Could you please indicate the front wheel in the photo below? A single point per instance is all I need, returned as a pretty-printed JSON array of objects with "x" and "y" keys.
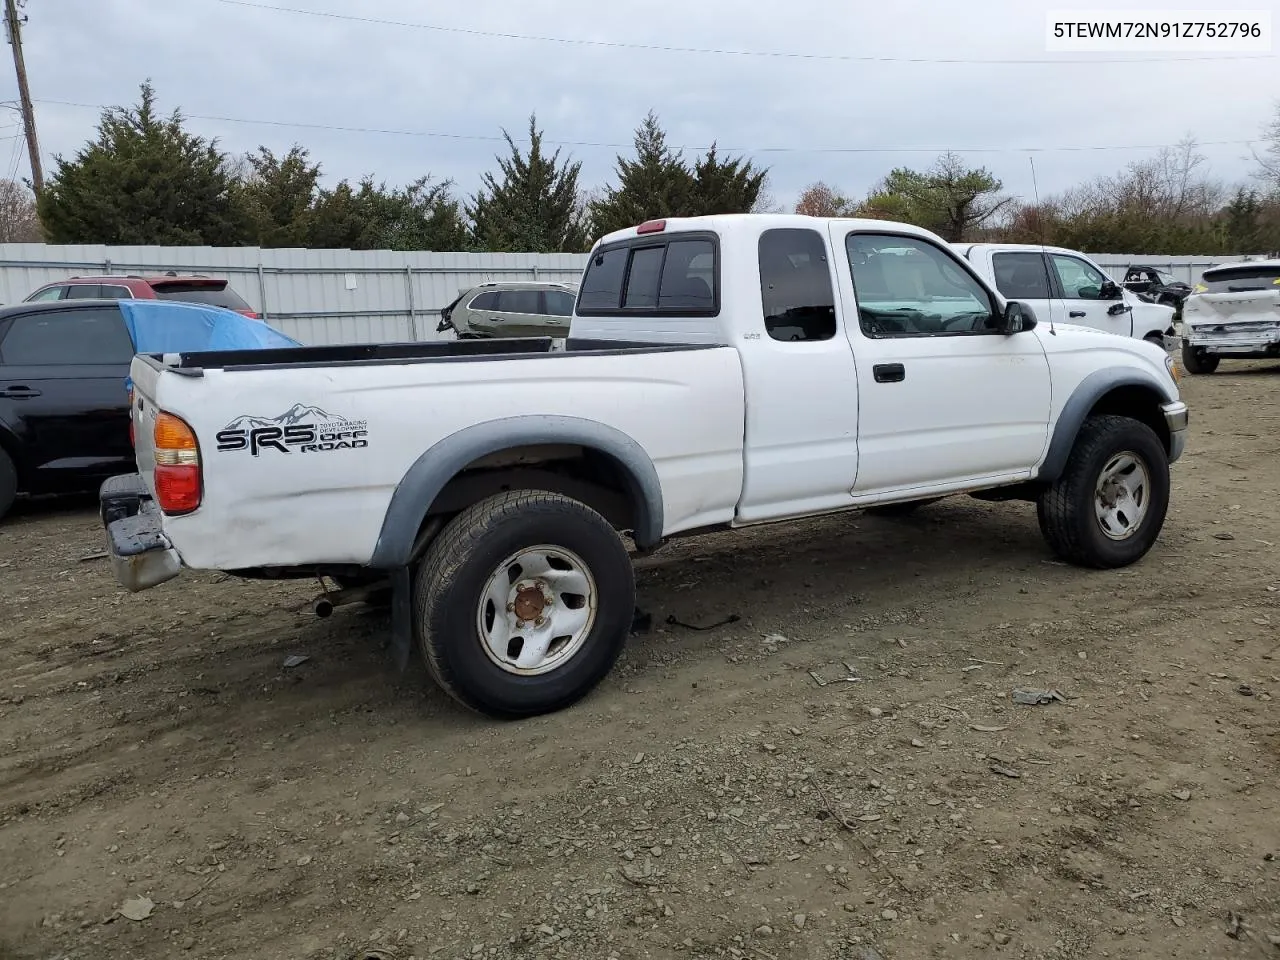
[
  {"x": 1197, "y": 361},
  {"x": 1109, "y": 505},
  {"x": 523, "y": 603}
]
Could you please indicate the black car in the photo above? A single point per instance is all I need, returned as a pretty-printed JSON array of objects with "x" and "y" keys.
[
  {"x": 64, "y": 403},
  {"x": 1156, "y": 285}
]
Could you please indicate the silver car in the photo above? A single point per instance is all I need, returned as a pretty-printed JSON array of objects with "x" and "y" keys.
[{"x": 519, "y": 308}]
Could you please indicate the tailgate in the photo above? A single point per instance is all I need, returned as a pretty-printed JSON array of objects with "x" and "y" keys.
[{"x": 145, "y": 377}]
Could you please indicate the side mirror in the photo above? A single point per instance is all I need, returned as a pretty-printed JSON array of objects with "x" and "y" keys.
[
  {"x": 1110, "y": 290},
  {"x": 1017, "y": 318}
]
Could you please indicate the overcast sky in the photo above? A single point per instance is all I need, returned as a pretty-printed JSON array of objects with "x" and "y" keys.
[{"x": 243, "y": 61}]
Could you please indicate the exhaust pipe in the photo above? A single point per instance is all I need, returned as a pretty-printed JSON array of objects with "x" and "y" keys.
[{"x": 326, "y": 602}]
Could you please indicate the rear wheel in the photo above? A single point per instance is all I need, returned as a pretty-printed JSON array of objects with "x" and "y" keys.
[
  {"x": 1109, "y": 505},
  {"x": 1197, "y": 361},
  {"x": 523, "y": 603},
  {"x": 8, "y": 483}
]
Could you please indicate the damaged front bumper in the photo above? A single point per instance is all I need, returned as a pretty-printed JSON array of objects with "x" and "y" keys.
[{"x": 141, "y": 555}]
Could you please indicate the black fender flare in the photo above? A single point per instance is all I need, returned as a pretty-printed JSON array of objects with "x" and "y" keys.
[
  {"x": 1086, "y": 394},
  {"x": 443, "y": 460}
]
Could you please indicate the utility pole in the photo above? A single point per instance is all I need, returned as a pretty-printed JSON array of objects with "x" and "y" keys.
[{"x": 14, "y": 25}]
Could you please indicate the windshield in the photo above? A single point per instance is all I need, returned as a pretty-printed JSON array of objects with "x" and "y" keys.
[{"x": 1245, "y": 278}]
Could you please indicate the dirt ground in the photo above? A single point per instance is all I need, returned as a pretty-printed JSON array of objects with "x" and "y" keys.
[{"x": 711, "y": 798}]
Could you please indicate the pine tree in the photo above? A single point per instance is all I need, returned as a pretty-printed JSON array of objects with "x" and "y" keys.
[
  {"x": 277, "y": 196},
  {"x": 655, "y": 184},
  {"x": 144, "y": 180},
  {"x": 725, "y": 186},
  {"x": 534, "y": 207}
]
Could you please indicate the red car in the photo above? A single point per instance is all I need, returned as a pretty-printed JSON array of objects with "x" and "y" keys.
[{"x": 206, "y": 290}]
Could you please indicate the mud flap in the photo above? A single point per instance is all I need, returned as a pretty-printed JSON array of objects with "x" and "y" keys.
[{"x": 401, "y": 617}]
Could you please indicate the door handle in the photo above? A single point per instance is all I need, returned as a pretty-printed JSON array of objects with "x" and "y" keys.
[
  {"x": 495, "y": 319},
  {"x": 889, "y": 372},
  {"x": 1076, "y": 313},
  {"x": 19, "y": 392}
]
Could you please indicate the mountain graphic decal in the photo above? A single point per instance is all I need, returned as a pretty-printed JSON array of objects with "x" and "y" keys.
[{"x": 295, "y": 414}]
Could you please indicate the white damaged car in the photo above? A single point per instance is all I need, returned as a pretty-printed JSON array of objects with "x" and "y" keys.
[{"x": 1234, "y": 312}]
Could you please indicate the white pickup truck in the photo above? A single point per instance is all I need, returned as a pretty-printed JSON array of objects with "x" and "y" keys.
[
  {"x": 1065, "y": 286},
  {"x": 721, "y": 372}
]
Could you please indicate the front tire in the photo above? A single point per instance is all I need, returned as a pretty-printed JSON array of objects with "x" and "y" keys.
[
  {"x": 1109, "y": 505},
  {"x": 1197, "y": 361},
  {"x": 523, "y": 603}
]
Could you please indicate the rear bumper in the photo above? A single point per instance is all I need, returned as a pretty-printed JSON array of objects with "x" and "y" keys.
[
  {"x": 141, "y": 556},
  {"x": 1176, "y": 417}
]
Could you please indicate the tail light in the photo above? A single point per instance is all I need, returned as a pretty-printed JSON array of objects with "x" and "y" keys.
[
  {"x": 250, "y": 314},
  {"x": 177, "y": 473},
  {"x": 132, "y": 439}
]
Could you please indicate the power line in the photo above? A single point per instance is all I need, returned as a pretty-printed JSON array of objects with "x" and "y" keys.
[
  {"x": 774, "y": 54},
  {"x": 626, "y": 146}
]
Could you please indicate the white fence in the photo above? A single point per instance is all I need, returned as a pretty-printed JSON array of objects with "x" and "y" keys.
[
  {"x": 316, "y": 296},
  {"x": 356, "y": 296}
]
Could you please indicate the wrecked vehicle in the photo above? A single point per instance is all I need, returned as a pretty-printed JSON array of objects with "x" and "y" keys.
[{"x": 1234, "y": 314}]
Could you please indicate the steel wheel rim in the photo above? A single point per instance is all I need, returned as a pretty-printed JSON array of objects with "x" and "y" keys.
[
  {"x": 536, "y": 610},
  {"x": 1122, "y": 496}
]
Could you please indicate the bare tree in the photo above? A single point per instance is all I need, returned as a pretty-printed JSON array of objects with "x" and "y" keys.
[
  {"x": 18, "y": 220},
  {"x": 821, "y": 200},
  {"x": 1269, "y": 160}
]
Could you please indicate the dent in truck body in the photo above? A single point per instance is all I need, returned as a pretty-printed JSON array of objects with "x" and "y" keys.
[
  {"x": 441, "y": 462},
  {"x": 1083, "y": 399}
]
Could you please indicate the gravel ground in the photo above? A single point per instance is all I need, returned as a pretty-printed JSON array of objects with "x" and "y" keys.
[{"x": 168, "y": 788}]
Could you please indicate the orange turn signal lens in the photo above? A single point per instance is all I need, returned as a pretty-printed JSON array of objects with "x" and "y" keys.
[
  {"x": 177, "y": 473},
  {"x": 172, "y": 433}
]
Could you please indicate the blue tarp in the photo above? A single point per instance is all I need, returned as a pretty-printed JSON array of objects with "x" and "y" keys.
[{"x": 167, "y": 326}]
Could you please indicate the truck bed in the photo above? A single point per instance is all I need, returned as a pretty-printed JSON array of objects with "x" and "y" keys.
[
  {"x": 302, "y": 449},
  {"x": 400, "y": 353}
]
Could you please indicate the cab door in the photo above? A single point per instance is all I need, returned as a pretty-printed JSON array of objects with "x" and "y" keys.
[
  {"x": 945, "y": 399},
  {"x": 1080, "y": 296}
]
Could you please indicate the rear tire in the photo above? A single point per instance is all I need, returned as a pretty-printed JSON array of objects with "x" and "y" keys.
[
  {"x": 8, "y": 483},
  {"x": 524, "y": 554},
  {"x": 1109, "y": 505},
  {"x": 1197, "y": 361}
]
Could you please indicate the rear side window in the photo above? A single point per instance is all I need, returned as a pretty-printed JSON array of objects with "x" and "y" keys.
[
  {"x": 795, "y": 285},
  {"x": 654, "y": 276},
  {"x": 1242, "y": 279},
  {"x": 210, "y": 294},
  {"x": 66, "y": 337},
  {"x": 559, "y": 303},
  {"x": 519, "y": 301},
  {"x": 1021, "y": 276},
  {"x": 486, "y": 301}
]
